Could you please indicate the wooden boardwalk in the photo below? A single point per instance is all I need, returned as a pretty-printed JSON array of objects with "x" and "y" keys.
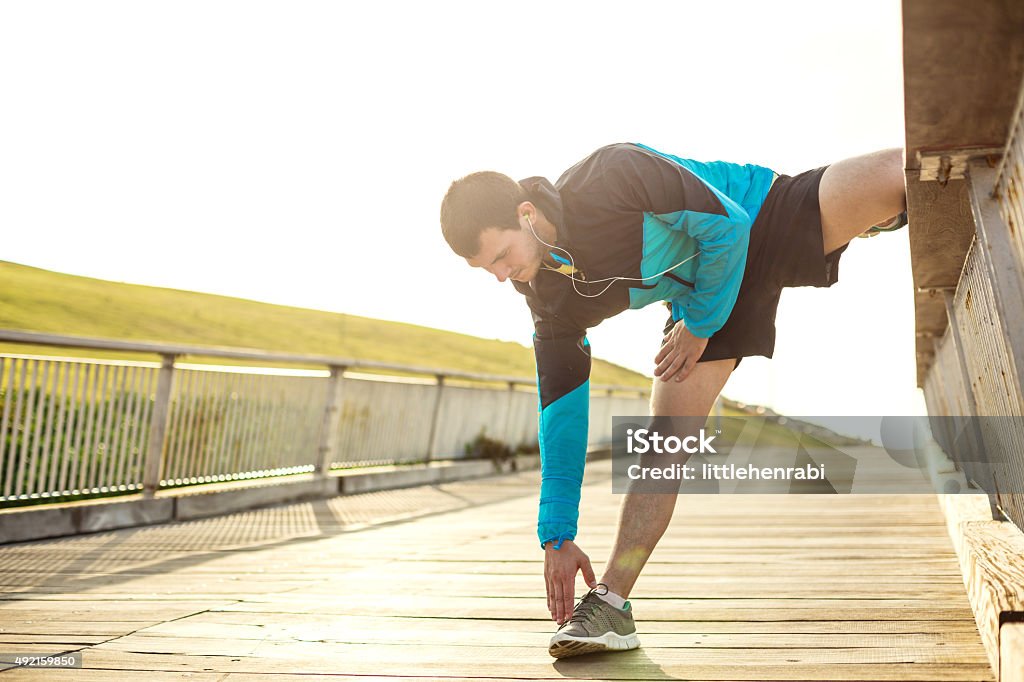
[{"x": 445, "y": 582}]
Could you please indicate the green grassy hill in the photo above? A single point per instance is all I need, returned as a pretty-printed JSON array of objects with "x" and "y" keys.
[{"x": 39, "y": 300}]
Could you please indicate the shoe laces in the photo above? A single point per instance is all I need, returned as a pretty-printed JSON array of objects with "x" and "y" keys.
[{"x": 585, "y": 607}]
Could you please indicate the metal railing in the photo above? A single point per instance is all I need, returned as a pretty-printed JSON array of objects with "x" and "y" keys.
[
  {"x": 73, "y": 428},
  {"x": 1008, "y": 187},
  {"x": 978, "y": 370}
]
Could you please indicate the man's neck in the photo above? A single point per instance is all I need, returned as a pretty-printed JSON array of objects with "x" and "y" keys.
[{"x": 546, "y": 231}]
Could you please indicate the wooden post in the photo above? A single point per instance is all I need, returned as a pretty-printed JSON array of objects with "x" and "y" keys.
[
  {"x": 158, "y": 426},
  {"x": 329, "y": 426},
  {"x": 432, "y": 441},
  {"x": 1011, "y": 651}
]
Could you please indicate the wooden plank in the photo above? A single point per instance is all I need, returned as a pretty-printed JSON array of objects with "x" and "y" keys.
[
  {"x": 87, "y": 675},
  {"x": 994, "y": 576},
  {"x": 710, "y": 580},
  {"x": 753, "y": 542},
  {"x": 942, "y": 228},
  {"x": 941, "y": 232},
  {"x": 523, "y": 582},
  {"x": 59, "y": 627},
  {"x": 471, "y": 662},
  {"x": 882, "y": 674},
  {"x": 120, "y": 610},
  {"x": 361, "y": 657},
  {"x": 989, "y": 555},
  {"x": 962, "y": 63},
  {"x": 434, "y": 631},
  {"x": 784, "y": 534},
  {"x": 186, "y": 566},
  {"x": 649, "y": 609},
  {"x": 926, "y": 571},
  {"x": 959, "y": 509},
  {"x": 1011, "y": 652},
  {"x": 65, "y": 640},
  {"x": 946, "y": 592},
  {"x": 330, "y": 626}
]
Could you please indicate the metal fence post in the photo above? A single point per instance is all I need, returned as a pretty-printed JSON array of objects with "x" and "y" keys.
[
  {"x": 432, "y": 441},
  {"x": 158, "y": 426},
  {"x": 977, "y": 440},
  {"x": 506, "y": 436},
  {"x": 329, "y": 426},
  {"x": 609, "y": 414},
  {"x": 1003, "y": 269},
  {"x": 996, "y": 239}
]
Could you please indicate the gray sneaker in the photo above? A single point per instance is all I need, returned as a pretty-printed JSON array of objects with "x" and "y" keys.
[
  {"x": 595, "y": 626},
  {"x": 890, "y": 225}
]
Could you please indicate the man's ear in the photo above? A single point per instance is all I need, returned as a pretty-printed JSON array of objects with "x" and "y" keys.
[{"x": 526, "y": 209}]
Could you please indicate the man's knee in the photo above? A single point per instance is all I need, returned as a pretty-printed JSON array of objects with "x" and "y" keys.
[
  {"x": 889, "y": 164},
  {"x": 895, "y": 165}
]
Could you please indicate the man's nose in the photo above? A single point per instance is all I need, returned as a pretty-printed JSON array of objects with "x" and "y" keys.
[{"x": 501, "y": 273}]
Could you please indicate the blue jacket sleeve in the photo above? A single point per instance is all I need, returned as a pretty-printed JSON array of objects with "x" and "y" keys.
[
  {"x": 641, "y": 179},
  {"x": 563, "y": 382}
]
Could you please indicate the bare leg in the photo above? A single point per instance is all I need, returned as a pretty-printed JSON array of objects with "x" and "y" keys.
[
  {"x": 857, "y": 193},
  {"x": 643, "y": 518}
]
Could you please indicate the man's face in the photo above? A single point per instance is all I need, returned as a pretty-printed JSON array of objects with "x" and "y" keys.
[{"x": 508, "y": 254}]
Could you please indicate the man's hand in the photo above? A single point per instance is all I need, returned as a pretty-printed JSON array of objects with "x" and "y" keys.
[
  {"x": 679, "y": 353},
  {"x": 560, "y": 566}
]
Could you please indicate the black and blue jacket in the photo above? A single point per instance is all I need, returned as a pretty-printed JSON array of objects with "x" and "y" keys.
[{"x": 626, "y": 211}]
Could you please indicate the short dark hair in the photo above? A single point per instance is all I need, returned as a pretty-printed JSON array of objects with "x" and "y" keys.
[{"x": 475, "y": 203}]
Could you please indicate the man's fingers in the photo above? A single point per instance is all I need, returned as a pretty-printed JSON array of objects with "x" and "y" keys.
[
  {"x": 567, "y": 595},
  {"x": 665, "y": 363},
  {"x": 557, "y": 611},
  {"x": 666, "y": 348},
  {"x": 685, "y": 370},
  {"x": 547, "y": 588},
  {"x": 676, "y": 365},
  {"x": 588, "y": 573}
]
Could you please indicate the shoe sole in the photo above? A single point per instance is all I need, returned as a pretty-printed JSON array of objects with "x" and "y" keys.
[{"x": 576, "y": 646}]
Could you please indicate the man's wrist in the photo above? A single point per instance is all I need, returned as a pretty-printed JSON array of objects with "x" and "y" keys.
[{"x": 689, "y": 330}]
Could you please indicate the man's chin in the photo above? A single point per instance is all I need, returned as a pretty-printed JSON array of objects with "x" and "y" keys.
[{"x": 522, "y": 276}]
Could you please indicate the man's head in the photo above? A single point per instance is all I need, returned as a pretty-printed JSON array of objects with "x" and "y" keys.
[{"x": 487, "y": 219}]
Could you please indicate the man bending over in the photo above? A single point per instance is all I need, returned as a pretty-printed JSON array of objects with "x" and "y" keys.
[{"x": 626, "y": 227}]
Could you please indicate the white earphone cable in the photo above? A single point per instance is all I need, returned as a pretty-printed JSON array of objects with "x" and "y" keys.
[{"x": 610, "y": 280}]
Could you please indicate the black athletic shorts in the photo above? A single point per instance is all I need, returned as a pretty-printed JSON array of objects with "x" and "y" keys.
[{"x": 786, "y": 250}]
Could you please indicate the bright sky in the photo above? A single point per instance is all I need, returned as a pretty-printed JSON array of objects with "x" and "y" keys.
[{"x": 298, "y": 152}]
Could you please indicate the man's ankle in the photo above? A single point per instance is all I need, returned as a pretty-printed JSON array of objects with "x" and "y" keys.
[{"x": 613, "y": 598}]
